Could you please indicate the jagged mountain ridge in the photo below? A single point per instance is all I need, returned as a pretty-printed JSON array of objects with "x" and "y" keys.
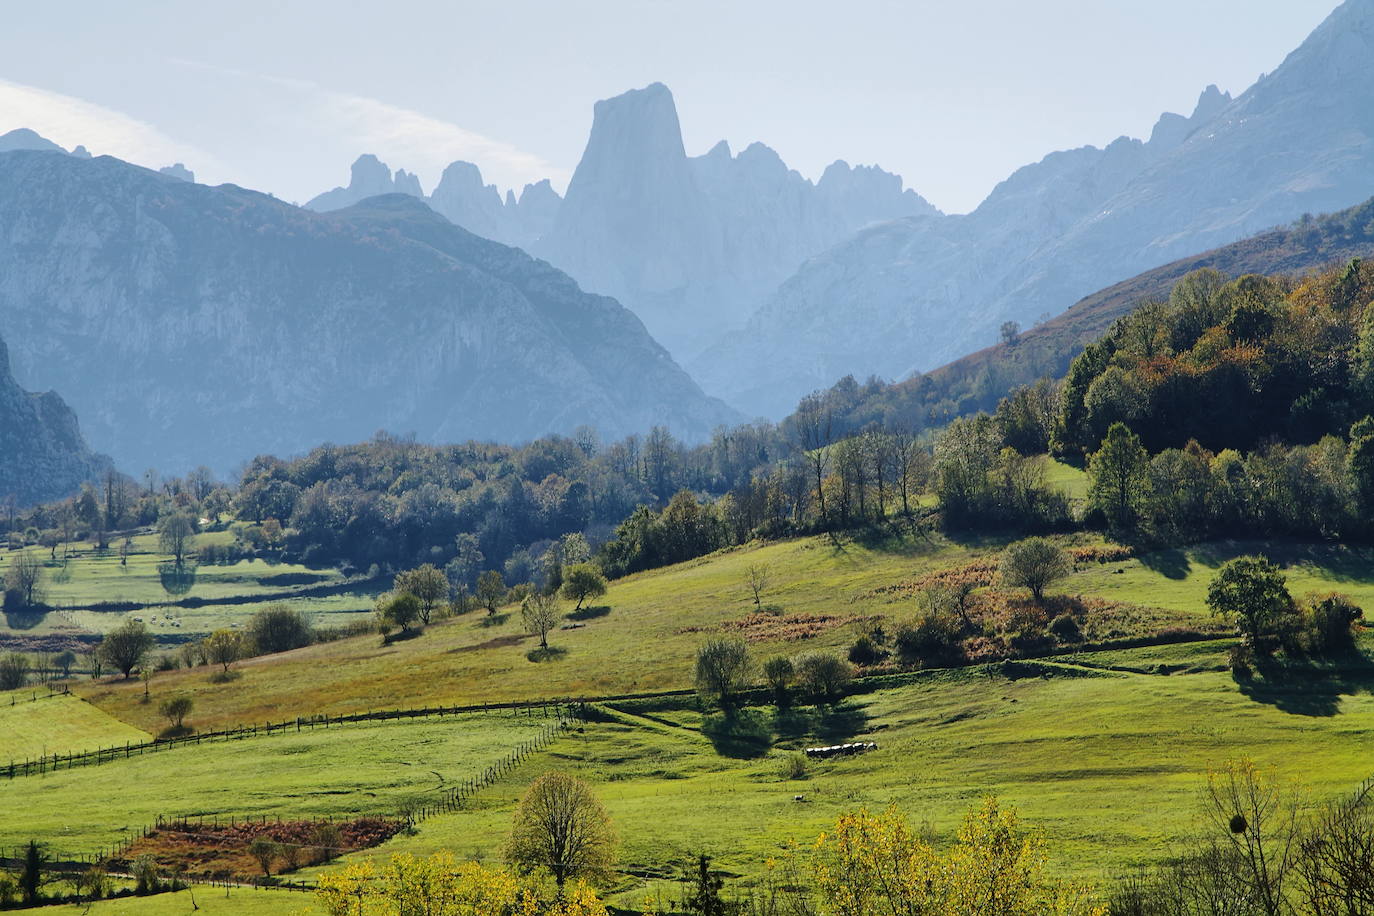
[
  {"x": 42, "y": 453},
  {"x": 912, "y": 294},
  {"x": 190, "y": 324},
  {"x": 689, "y": 243}
]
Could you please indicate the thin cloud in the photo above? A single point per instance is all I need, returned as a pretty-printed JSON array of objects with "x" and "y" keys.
[
  {"x": 401, "y": 137},
  {"x": 69, "y": 122}
]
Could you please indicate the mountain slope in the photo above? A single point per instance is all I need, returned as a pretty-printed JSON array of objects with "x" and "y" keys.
[
  {"x": 979, "y": 380},
  {"x": 915, "y": 293},
  {"x": 42, "y": 454},
  {"x": 190, "y": 324}
]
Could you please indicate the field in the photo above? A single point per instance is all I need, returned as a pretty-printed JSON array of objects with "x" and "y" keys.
[
  {"x": 341, "y": 772},
  {"x": 1105, "y": 751},
  {"x": 56, "y": 725},
  {"x": 1109, "y": 767},
  {"x": 211, "y": 901}
]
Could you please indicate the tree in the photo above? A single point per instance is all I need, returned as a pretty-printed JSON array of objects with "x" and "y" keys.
[
  {"x": 125, "y": 647},
  {"x": 64, "y": 661},
  {"x": 14, "y": 670},
  {"x": 24, "y": 579},
  {"x": 778, "y": 671},
  {"x": 31, "y": 877},
  {"x": 757, "y": 576},
  {"x": 1117, "y": 475},
  {"x": 176, "y": 709},
  {"x": 491, "y": 590},
  {"x": 1009, "y": 331},
  {"x": 561, "y": 826},
  {"x": 428, "y": 584},
  {"x": 177, "y": 535},
  {"x": 723, "y": 667},
  {"x": 1261, "y": 825},
  {"x": 278, "y": 628},
  {"x": 823, "y": 674},
  {"x": 540, "y": 614},
  {"x": 583, "y": 581},
  {"x": 704, "y": 889},
  {"x": 264, "y": 850},
  {"x": 1034, "y": 563},
  {"x": 399, "y": 609},
  {"x": 1252, "y": 593},
  {"x": 224, "y": 647}
]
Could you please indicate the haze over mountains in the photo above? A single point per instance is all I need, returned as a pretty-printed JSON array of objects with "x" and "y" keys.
[{"x": 189, "y": 324}]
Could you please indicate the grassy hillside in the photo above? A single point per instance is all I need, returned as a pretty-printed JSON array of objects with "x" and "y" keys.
[
  {"x": 56, "y": 725},
  {"x": 211, "y": 901}
]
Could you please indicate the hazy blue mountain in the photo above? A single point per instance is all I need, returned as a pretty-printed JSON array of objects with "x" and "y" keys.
[
  {"x": 368, "y": 177},
  {"x": 191, "y": 324},
  {"x": 692, "y": 243},
  {"x": 42, "y": 453},
  {"x": 914, "y": 293},
  {"x": 178, "y": 171}
]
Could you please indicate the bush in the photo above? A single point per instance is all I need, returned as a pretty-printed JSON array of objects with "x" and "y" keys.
[
  {"x": 1034, "y": 563},
  {"x": 865, "y": 651},
  {"x": 1241, "y": 659},
  {"x": 823, "y": 675},
  {"x": 1328, "y": 624},
  {"x": 932, "y": 640},
  {"x": 778, "y": 671},
  {"x": 278, "y": 628},
  {"x": 1065, "y": 628},
  {"x": 794, "y": 766}
]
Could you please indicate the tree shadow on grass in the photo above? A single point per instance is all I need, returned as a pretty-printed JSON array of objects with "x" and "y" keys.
[
  {"x": 546, "y": 654},
  {"x": 1171, "y": 564},
  {"x": 494, "y": 620},
  {"x": 175, "y": 731},
  {"x": 590, "y": 613},
  {"x": 225, "y": 677},
  {"x": 1305, "y": 687},
  {"x": 177, "y": 580},
  {"x": 740, "y": 733},
  {"x": 25, "y": 619}
]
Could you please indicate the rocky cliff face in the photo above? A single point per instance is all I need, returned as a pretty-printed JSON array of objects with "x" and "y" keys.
[
  {"x": 190, "y": 324},
  {"x": 42, "y": 453},
  {"x": 691, "y": 244},
  {"x": 912, "y": 294},
  {"x": 368, "y": 177}
]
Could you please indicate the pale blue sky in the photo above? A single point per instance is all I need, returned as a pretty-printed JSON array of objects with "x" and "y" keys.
[{"x": 953, "y": 95}]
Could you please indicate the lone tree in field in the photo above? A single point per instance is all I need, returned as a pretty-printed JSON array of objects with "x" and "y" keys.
[
  {"x": 176, "y": 709},
  {"x": 14, "y": 670},
  {"x": 1034, "y": 563},
  {"x": 24, "y": 579},
  {"x": 125, "y": 647},
  {"x": 399, "y": 609},
  {"x": 491, "y": 590},
  {"x": 264, "y": 850},
  {"x": 583, "y": 581},
  {"x": 429, "y": 586},
  {"x": 176, "y": 536},
  {"x": 224, "y": 647},
  {"x": 722, "y": 667},
  {"x": 562, "y": 827},
  {"x": 64, "y": 661},
  {"x": 757, "y": 577},
  {"x": 1252, "y": 593},
  {"x": 540, "y": 614},
  {"x": 778, "y": 672},
  {"x": 278, "y": 628}
]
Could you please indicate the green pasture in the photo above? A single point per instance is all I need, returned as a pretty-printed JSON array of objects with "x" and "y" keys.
[
  {"x": 342, "y": 771},
  {"x": 210, "y": 901},
  {"x": 1108, "y": 767},
  {"x": 60, "y": 724}
]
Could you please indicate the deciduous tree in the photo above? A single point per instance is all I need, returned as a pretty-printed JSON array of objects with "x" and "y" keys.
[{"x": 560, "y": 826}]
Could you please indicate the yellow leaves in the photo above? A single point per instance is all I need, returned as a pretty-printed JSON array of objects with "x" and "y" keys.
[
  {"x": 874, "y": 865},
  {"x": 440, "y": 886}
]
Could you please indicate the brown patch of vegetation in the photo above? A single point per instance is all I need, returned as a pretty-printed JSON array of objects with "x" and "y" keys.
[
  {"x": 979, "y": 573},
  {"x": 221, "y": 850},
  {"x": 762, "y": 627}
]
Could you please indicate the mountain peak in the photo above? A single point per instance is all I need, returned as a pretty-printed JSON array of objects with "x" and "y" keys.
[{"x": 23, "y": 138}]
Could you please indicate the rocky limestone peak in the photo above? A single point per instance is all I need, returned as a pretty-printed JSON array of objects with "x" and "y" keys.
[
  {"x": 1209, "y": 105},
  {"x": 408, "y": 183},
  {"x": 539, "y": 194},
  {"x": 369, "y": 175},
  {"x": 81, "y": 152},
  {"x": 179, "y": 172},
  {"x": 635, "y": 143},
  {"x": 23, "y": 138},
  {"x": 1336, "y": 57}
]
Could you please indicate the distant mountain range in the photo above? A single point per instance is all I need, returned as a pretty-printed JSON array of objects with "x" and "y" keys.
[
  {"x": 42, "y": 453},
  {"x": 188, "y": 324}
]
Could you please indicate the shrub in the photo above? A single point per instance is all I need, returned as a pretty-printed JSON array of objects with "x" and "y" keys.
[
  {"x": 865, "y": 651},
  {"x": 932, "y": 639},
  {"x": 722, "y": 667},
  {"x": 1241, "y": 659},
  {"x": 1034, "y": 563},
  {"x": 1328, "y": 623},
  {"x": 778, "y": 671},
  {"x": 278, "y": 628},
  {"x": 1065, "y": 628},
  {"x": 822, "y": 674},
  {"x": 14, "y": 670},
  {"x": 794, "y": 766}
]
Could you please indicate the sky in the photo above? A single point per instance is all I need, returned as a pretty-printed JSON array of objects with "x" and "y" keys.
[{"x": 954, "y": 96}]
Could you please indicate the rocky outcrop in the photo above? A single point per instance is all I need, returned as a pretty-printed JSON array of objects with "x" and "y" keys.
[
  {"x": 189, "y": 324},
  {"x": 179, "y": 172},
  {"x": 915, "y": 293},
  {"x": 368, "y": 177},
  {"x": 42, "y": 454},
  {"x": 692, "y": 244}
]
